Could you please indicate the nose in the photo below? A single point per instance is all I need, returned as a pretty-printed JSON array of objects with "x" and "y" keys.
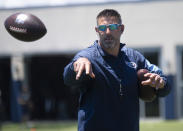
[{"x": 108, "y": 31}]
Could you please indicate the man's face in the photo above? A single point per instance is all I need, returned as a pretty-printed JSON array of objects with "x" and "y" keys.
[{"x": 109, "y": 38}]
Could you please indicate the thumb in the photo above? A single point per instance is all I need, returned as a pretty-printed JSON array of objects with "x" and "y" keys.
[{"x": 92, "y": 75}]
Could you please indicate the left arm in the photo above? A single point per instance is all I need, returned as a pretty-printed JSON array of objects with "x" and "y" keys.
[{"x": 156, "y": 79}]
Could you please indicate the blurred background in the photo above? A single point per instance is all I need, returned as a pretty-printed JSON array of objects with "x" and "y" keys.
[{"x": 31, "y": 84}]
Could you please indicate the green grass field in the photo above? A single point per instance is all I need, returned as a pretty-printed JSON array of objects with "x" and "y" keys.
[
  {"x": 162, "y": 126},
  {"x": 72, "y": 126}
]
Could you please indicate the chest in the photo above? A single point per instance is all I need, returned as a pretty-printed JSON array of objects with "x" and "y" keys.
[{"x": 118, "y": 74}]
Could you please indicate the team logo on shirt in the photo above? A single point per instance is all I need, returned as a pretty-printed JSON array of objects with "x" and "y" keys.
[{"x": 132, "y": 64}]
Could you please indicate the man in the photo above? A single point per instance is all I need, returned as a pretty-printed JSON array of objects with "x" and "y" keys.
[{"x": 106, "y": 74}]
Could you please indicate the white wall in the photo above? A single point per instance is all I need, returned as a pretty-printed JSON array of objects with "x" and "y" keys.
[{"x": 147, "y": 24}]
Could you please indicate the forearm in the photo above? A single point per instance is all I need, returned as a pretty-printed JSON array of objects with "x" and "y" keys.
[
  {"x": 164, "y": 91},
  {"x": 161, "y": 92},
  {"x": 69, "y": 75}
]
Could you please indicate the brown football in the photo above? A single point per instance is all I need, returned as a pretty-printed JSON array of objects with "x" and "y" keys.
[
  {"x": 146, "y": 93},
  {"x": 25, "y": 27}
]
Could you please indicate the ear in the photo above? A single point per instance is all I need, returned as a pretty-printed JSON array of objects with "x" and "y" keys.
[
  {"x": 96, "y": 29},
  {"x": 122, "y": 28}
]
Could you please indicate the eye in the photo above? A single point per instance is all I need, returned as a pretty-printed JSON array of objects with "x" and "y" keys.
[
  {"x": 102, "y": 27},
  {"x": 113, "y": 27}
]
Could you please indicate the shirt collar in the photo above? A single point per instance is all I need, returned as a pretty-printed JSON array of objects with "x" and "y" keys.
[{"x": 104, "y": 53}]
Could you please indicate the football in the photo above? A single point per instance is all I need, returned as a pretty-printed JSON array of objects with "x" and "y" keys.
[
  {"x": 146, "y": 93},
  {"x": 25, "y": 27}
]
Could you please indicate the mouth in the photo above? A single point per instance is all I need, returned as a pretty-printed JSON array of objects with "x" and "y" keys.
[
  {"x": 108, "y": 38},
  {"x": 108, "y": 41}
]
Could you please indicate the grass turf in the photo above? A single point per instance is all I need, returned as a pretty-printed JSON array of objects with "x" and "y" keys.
[
  {"x": 162, "y": 126},
  {"x": 72, "y": 126}
]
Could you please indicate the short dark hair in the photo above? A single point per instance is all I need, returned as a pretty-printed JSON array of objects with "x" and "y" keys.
[{"x": 109, "y": 13}]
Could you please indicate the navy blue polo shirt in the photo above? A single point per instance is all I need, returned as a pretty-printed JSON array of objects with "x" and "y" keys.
[{"x": 110, "y": 102}]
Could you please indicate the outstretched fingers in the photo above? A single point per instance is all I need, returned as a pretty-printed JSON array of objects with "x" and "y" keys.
[
  {"x": 83, "y": 64},
  {"x": 89, "y": 70},
  {"x": 79, "y": 72}
]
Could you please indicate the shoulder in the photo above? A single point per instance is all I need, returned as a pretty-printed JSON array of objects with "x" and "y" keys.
[
  {"x": 88, "y": 52},
  {"x": 134, "y": 56},
  {"x": 131, "y": 53}
]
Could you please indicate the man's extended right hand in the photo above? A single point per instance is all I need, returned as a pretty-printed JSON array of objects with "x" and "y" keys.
[{"x": 83, "y": 64}]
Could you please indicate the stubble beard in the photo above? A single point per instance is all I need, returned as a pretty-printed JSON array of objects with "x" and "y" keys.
[{"x": 108, "y": 44}]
